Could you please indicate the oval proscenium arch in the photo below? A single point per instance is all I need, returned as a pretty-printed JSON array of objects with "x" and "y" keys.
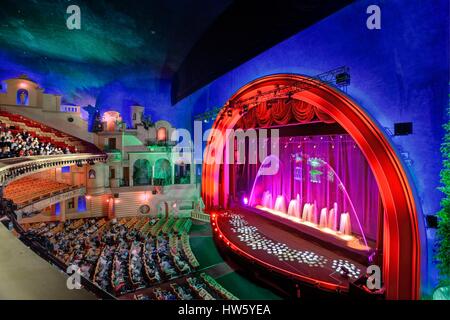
[{"x": 401, "y": 238}]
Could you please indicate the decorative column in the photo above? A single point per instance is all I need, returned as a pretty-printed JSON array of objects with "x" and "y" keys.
[
  {"x": 172, "y": 164},
  {"x": 62, "y": 210}
]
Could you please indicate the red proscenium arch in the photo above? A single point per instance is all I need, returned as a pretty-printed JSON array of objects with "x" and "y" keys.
[{"x": 401, "y": 239}]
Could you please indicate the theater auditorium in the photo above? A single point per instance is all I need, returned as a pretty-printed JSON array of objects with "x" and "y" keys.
[{"x": 223, "y": 150}]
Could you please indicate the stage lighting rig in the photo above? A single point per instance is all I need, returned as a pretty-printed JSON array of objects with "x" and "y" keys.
[{"x": 339, "y": 78}]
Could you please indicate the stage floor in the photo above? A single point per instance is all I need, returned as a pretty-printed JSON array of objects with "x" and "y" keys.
[{"x": 285, "y": 250}]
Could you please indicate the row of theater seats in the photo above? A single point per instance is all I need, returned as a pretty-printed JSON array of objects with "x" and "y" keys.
[
  {"x": 30, "y": 189},
  {"x": 17, "y": 143},
  {"x": 198, "y": 287},
  {"x": 213, "y": 284},
  {"x": 45, "y": 133},
  {"x": 187, "y": 249},
  {"x": 120, "y": 257}
]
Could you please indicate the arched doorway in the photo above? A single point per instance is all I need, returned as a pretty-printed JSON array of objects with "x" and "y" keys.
[
  {"x": 163, "y": 173},
  {"x": 182, "y": 173},
  {"x": 142, "y": 172},
  {"x": 401, "y": 237}
]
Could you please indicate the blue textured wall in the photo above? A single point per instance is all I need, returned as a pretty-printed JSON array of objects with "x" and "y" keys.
[
  {"x": 153, "y": 94},
  {"x": 399, "y": 74}
]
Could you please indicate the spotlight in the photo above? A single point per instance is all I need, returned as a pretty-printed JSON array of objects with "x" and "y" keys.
[
  {"x": 342, "y": 79},
  {"x": 245, "y": 200}
]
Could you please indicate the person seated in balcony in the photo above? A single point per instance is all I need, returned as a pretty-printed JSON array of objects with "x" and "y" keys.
[{"x": 24, "y": 144}]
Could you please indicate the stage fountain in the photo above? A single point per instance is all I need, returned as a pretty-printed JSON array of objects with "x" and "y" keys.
[{"x": 328, "y": 221}]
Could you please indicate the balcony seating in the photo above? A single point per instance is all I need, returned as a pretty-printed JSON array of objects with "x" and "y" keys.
[
  {"x": 29, "y": 189},
  {"x": 18, "y": 123}
]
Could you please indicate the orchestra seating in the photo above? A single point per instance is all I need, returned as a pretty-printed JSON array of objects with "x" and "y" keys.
[
  {"x": 188, "y": 251},
  {"x": 196, "y": 287},
  {"x": 124, "y": 256},
  {"x": 213, "y": 284}
]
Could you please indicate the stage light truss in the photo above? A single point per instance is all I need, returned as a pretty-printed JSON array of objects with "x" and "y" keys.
[{"x": 338, "y": 78}]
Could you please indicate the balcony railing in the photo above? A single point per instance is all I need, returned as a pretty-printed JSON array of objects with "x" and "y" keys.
[{"x": 13, "y": 168}]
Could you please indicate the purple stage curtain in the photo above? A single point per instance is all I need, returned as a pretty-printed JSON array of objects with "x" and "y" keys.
[{"x": 321, "y": 169}]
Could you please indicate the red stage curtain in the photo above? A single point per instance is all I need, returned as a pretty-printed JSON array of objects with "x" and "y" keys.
[
  {"x": 263, "y": 115},
  {"x": 240, "y": 124},
  {"x": 303, "y": 112},
  {"x": 281, "y": 112},
  {"x": 250, "y": 119},
  {"x": 323, "y": 116}
]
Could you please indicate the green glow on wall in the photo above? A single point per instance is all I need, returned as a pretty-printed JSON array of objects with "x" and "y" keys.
[{"x": 131, "y": 140}]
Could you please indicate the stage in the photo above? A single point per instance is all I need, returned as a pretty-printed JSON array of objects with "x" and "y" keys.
[{"x": 283, "y": 250}]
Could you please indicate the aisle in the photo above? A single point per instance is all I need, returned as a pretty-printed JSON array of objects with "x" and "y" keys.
[{"x": 25, "y": 275}]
